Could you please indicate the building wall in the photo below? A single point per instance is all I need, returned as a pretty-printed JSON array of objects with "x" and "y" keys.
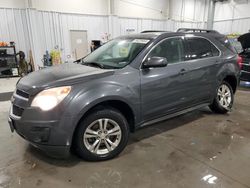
[
  {"x": 157, "y": 9},
  {"x": 232, "y": 16},
  {"x": 51, "y": 30},
  {"x": 189, "y": 10},
  {"x": 97, "y": 7},
  {"x": 39, "y": 31},
  {"x": 41, "y": 25},
  {"x": 12, "y": 3},
  {"x": 234, "y": 9},
  {"x": 14, "y": 27}
]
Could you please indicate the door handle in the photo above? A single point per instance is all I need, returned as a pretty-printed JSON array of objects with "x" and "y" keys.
[{"x": 183, "y": 71}]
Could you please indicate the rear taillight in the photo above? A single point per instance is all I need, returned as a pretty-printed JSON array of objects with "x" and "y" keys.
[{"x": 239, "y": 61}]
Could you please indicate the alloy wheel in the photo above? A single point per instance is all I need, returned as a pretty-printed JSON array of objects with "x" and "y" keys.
[
  {"x": 102, "y": 136},
  {"x": 224, "y": 96}
]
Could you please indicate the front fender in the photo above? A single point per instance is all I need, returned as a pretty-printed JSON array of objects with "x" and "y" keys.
[{"x": 84, "y": 100}]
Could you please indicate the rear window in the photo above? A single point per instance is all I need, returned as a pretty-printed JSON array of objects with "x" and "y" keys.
[{"x": 198, "y": 48}]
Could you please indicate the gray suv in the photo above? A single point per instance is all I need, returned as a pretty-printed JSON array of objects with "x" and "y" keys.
[{"x": 93, "y": 104}]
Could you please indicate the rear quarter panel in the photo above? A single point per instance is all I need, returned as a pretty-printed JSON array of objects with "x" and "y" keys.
[{"x": 228, "y": 65}]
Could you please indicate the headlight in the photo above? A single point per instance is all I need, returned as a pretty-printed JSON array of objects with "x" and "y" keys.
[{"x": 49, "y": 98}]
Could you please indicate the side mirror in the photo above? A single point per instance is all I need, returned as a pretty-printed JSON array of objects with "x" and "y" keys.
[{"x": 155, "y": 62}]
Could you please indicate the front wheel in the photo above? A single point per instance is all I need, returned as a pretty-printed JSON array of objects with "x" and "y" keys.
[
  {"x": 101, "y": 135},
  {"x": 224, "y": 99}
]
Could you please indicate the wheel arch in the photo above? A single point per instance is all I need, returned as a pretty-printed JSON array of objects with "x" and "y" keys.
[
  {"x": 117, "y": 104},
  {"x": 232, "y": 80}
]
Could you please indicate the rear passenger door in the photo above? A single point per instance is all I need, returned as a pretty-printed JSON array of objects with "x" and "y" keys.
[{"x": 202, "y": 58}]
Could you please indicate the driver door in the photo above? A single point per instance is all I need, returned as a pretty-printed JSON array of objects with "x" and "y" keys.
[{"x": 165, "y": 90}]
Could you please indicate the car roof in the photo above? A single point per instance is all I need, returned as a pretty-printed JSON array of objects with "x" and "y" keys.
[
  {"x": 155, "y": 35},
  {"x": 162, "y": 34},
  {"x": 150, "y": 35}
]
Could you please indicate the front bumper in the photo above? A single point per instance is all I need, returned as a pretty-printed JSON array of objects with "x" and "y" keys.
[
  {"x": 40, "y": 136},
  {"x": 49, "y": 131}
]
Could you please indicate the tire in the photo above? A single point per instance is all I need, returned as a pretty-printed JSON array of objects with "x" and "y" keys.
[
  {"x": 224, "y": 99},
  {"x": 94, "y": 142}
]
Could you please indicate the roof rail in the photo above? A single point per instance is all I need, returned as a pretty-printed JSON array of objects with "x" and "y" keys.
[
  {"x": 152, "y": 31},
  {"x": 192, "y": 30}
]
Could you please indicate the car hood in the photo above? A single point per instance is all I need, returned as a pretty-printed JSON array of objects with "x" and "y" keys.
[
  {"x": 64, "y": 74},
  {"x": 245, "y": 40}
]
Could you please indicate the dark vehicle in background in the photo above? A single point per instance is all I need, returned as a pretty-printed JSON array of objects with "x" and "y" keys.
[
  {"x": 93, "y": 105},
  {"x": 245, "y": 55}
]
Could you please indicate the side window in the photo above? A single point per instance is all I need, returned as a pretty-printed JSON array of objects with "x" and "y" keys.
[
  {"x": 215, "y": 51},
  {"x": 171, "y": 49},
  {"x": 199, "y": 48}
]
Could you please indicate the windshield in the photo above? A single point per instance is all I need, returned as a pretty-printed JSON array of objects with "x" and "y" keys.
[{"x": 116, "y": 54}]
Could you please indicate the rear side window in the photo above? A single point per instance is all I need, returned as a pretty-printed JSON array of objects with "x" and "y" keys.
[
  {"x": 226, "y": 43},
  {"x": 198, "y": 48},
  {"x": 172, "y": 49}
]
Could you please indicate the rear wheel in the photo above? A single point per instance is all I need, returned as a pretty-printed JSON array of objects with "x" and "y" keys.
[
  {"x": 223, "y": 101},
  {"x": 101, "y": 135}
]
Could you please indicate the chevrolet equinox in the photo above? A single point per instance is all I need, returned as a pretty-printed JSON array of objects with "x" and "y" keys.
[{"x": 93, "y": 104}]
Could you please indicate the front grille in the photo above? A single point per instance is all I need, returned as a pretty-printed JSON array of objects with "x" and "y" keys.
[
  {"x": 19, "y": 101},
  {"x": 17, "y": 111},
  {"x": 22, "y": 93}
]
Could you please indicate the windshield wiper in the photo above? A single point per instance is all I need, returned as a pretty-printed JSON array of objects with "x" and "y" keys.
[{"x": 93, "y": 64}]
